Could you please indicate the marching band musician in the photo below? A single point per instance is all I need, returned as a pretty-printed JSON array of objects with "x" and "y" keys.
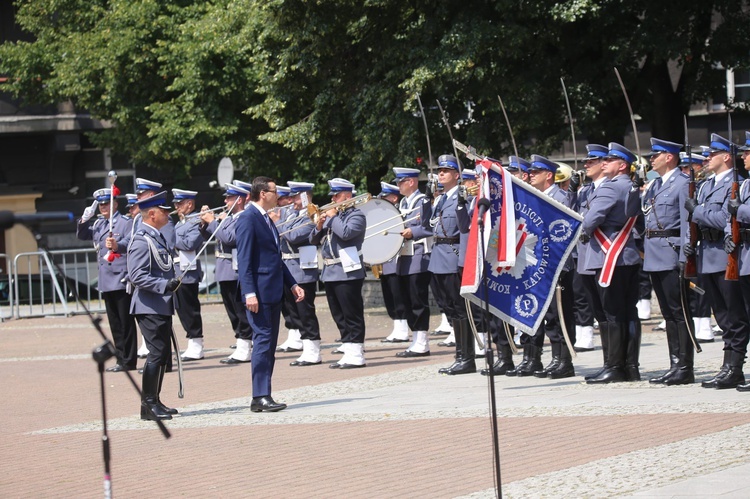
[
  {"x": 226, "y": 268},
  {"x": 665, "y": 220},
  {"x": 413, "y": 261},
  {"x": 389, "y": 281},
  {"x": 340, "y": 234},
  {"x": 285, "y": 210},
  {"x": 188, "y": 240},
  {"x": 112, "y": 272},
  {"x": 612, "y": 210},
  {"x": 445, "y": 326},
  {"x": 741, "y": 209},
  {"x": 444, "y": 265},
  {"x": 151, "y": 271},
  {"x": 301, "y": 258},
  {"x": 542, "y": 176},
  {"x": 709, "y": 211},
  {"x": 131, "y": 206}
]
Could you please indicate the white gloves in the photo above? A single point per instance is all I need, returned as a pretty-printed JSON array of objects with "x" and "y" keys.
[{"x": 89, "y": 212}]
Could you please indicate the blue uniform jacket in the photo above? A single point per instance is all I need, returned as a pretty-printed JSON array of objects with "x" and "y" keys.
[
  {"x": 111, "y": 274},
  {"x": 342, "y": 231},
  {"x": 147, "y": 254},
  {"x": 610, "y": 206},
  {"x": 444, "y": 257},
  {"x": 225, "y": 247},
  {"x": 711, "y": 214},
  {"x": 421, "y": 232},
  {"x": 664, "y": 209},
  {"x": 298, "y": 234},
  {"x": 188, "y": 237}
]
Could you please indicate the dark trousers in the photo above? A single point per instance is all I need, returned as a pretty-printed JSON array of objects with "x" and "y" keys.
[
  {"x": 306, "y": 318},
  {"x": 551, "y": 326},
  {"x": 449, "y": 287},
  {"x": 592, "y": 291},
  {"x": 188, "y": 308},
  {"x": 392, "y": 296},
  {"x": 347, "y": 309},
  {"x": 234, "y": 304},
  {"x": 265, "y": 327},
  {"x": 644, "y": 285},
  {"x": 122, "y": 325},
  {"x": 415, "y": 297},
  {"x": 620, "y": 297},
  {"x": 666, "y": 285},
  {"x": 728, "y": 305},
  {"x": 700, "y": 306},
  {"x": 157, "y": 333},
  {"x": 583, "y": 308},
  {"x": 437, "y": 294},
  {"x": 497, "y": 331},
  {"x": 292, "y": 319}
]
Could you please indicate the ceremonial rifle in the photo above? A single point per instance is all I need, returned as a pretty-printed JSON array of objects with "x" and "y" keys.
[
  {"x": 732, "y": 273},
  {"x": 691, "y": 269}
]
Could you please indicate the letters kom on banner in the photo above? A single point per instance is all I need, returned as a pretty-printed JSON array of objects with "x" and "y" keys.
[{"x": 528, "y": 238}]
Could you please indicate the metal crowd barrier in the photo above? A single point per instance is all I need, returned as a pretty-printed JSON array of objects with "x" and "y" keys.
[{"x": 32, "y": 286}]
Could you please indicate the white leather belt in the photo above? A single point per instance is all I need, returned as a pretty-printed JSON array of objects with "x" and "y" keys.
[
  {"x": 289, "y": 256},
  {"x": 219, "y": 254}
]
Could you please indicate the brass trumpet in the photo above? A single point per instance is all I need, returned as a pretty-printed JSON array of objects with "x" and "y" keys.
[
  {"x": 314, "y": 211},
  {"x": 199, "y": 213}
]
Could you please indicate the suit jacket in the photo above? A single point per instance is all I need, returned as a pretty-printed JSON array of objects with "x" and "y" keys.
[
  {"x": 345, "y": 230},
  {"x": 188, "y": 237},
  {"x": 711, "y": 213},
  {"x": 298, "y": 234},
  {"x": 421, "y": 231},
  {"x": 111, "y": 274},
  {"x": 147, "y": 251},
  {"x": 444, "y": 257},
  {"x": 612, "y": 203},
  {"x": 260, "y": 268},
  {"x": 664, "y": 209}
]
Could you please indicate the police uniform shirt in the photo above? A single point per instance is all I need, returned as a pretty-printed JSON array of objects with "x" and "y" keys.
[
  {"x": 111, "y": 273},
  {"x": 150, "y": 269},
  {"x": 664, "y": 210}
]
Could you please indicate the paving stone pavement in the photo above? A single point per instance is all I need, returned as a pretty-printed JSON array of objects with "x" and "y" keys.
[{"x": 394, "y": 429}]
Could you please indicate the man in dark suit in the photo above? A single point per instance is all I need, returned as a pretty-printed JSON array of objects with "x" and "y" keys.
[{"x": 262, "y": 277}]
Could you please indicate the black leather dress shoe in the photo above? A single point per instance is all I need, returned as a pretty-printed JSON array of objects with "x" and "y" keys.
[
  {"x": 304, "y": 363},
  {"x": 703, "y": 340},
  {"x": 446, "y": 343},
  {"x": 394, "y": 340},
  {"x": 409, "y": 354},
  {"x": 581, "y": 349},
  {"x": 351, "y": 366},
  {"x": 233, "y": 347},
  {"x": 117, "y": 368},
  {"x": 189, "y": 359},
  {"x": 267, "y": 404},
  {"x": 230, "y": 360},
  {"x": 287, "y": 349},
  {"x": 335, "y": 365}
]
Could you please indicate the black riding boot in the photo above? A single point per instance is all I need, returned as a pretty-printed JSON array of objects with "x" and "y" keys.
[
  {"x": 673, "y": 345},
  {"x": 734, "y": 376},
  {"x": 523, "y": 363},
  {"x": 633, "y": 350},
  {"x": 163, "y": 407},
  {"x": 150, "y": 409},
  {"x": 565, "y": 369},
  {"x": 535, "y": 362},
  {"x": 614, "y": 370},
  {"x": 604, "y": 337},
  {"x": 504, "y": 361},
  {"x": 711, "y": 383},
  {"x": 554, "y": 363},
  {"x": 683, "y": 375},
  {"x": 464, "y": 344},
  {"x": 459, "y": 359}
]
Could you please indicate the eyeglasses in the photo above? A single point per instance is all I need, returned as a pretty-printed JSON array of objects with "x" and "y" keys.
[{"x": 269, "y": 190}]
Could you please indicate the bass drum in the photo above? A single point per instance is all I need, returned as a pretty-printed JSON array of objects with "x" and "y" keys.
[{"x": 383, "y": 238}]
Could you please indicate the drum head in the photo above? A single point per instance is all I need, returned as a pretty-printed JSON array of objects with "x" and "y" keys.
[{"x": 383, "y": 238}]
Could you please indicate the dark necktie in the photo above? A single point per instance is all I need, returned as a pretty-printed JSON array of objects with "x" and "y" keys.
[{"x": 273, "y": 229}]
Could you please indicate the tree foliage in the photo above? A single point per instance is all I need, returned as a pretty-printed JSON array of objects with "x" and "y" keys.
[{"x": 310, "y": 90}]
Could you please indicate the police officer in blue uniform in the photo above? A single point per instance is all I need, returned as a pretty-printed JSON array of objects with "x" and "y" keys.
[
  {"x": 389, "y": 281},
  {"x": 665, "y": 223},
  {"x": 542, "y": 176},
  {"x": 710, "y": 212},
  {"x": 226, "y": 268},
  {"x": 741, "y": 208},
  {"x": 613, "y": 204},
  {"x": 113, "y": 270},
  {"x": 151, "y": 270},
  {"x": 414, "y": 259},
  {"x": 292, "y": 320},
  {"x": 301, "y": 258},
  {"x": 188, "y": 241},
  {"x": 444, "y": 265},
  {"x": 340, "y": 234}
]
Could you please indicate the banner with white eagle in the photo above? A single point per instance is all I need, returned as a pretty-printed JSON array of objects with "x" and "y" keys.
[{"x": 528, "y": 237}]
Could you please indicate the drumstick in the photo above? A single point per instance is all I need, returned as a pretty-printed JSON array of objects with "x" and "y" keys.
[
  {"x": 394, "y": 217},
  {"x": 385, "y": 232}
]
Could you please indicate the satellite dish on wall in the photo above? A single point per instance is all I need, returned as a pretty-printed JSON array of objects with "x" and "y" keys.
[{"x": 225, "y": 172}]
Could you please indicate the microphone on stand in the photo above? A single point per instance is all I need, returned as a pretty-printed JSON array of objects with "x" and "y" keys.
[
  {"x": 8, "y": 219},
  {"x": 483, "y": 205}
]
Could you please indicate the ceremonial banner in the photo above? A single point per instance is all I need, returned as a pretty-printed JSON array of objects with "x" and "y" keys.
[{"x": 528, "y": 238}]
